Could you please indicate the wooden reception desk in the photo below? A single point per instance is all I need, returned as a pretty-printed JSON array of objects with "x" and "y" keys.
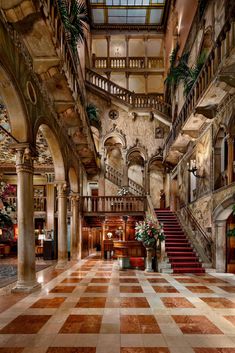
[{"x": 127, "y": 249}]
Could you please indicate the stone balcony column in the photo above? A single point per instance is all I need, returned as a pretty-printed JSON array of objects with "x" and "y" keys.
[
  {"x": 26, "y": 280},
  {"x": 74, "y": 249},
  {"x": 220, "y": 256},
  {"x": 108, "y": 39},
  {"x": 62, "y": 224},
  {"x": 230, "y": 142}
]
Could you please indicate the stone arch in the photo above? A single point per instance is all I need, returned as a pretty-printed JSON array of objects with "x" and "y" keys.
[
  {"x": 17, "y": 112},
  {"x": 55, "y": 150},
  {"x": 119, "y": 137},
  {"x": 73, "y": 180},
  {"x": 220, "y": 216}
]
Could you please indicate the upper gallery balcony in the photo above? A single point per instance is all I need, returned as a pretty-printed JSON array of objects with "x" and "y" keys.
[
  {"x": 135, "y": 64},
  {"x": 207, "y": 96}
]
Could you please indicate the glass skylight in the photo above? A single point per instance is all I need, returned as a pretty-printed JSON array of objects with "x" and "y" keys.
[{"x": 136, "y": 12}]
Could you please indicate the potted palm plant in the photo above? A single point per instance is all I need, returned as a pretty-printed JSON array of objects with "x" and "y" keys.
[{"x": 149, "y": 231}]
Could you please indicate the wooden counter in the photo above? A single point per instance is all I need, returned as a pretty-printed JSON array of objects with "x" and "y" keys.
[{"x": 124, "y": 249}]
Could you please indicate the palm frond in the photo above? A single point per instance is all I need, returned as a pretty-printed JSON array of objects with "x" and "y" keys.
[{"x": 93, "y": 113}]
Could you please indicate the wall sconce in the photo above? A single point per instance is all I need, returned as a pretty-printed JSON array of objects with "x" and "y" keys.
[{"x": 194, "y": 169}]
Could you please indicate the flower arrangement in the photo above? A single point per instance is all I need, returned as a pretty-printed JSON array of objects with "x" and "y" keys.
[
  {"x": 149, "y": 231},
  {"x": 5, "y": 207}
]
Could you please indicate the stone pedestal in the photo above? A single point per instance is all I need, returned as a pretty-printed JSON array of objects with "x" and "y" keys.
[
  {"x": 62, "y": 225},
  {"x": 220, "y": 232},
  {"x": 148, "y": 260},
  {"x": 26, "y": 279}
]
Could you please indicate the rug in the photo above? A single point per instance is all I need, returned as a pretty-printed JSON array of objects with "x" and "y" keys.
[{"x": 8, "y": 273}]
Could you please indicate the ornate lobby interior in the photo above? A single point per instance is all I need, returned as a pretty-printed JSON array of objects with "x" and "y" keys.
[{"x": 112, "y": 111}]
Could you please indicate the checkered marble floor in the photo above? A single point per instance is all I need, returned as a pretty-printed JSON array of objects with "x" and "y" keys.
[{"x": 94, "y": 308}]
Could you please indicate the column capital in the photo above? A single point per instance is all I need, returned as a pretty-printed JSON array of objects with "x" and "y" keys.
[
  {"x": 74, "y": 197},
  {"x": 62, "y": 188},
  {"x": 25, "y": 155}
]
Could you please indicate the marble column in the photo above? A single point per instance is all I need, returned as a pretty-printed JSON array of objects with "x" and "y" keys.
[
  {"x": 220, "y": 256},
  {"x": 230, "y": 142},
  {"x": 74, "y": 247},
  {"x": 108, "y": 51},
  {"x": 26, "y": 280},
  {"x": 62, "y": 225}
]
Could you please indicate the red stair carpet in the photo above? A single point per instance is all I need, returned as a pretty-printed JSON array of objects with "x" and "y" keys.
[{"x": 182, "y": 257}]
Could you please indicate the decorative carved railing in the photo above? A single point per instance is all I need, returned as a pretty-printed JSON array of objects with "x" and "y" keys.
[
  {"x": 134, "y": 62},
  {"x": 39, "y": 203},
  {"x": 116, "y": 177},
  {"x": 201, "y": 236},
  {"x": 222, "y": 48},
  {"x": 135, "y": 100},
  {"x": 113, "y": 175},
  {"x": 113, "y": 204},
  {"x": 135, "y": 188},
  {"x": 71, "y": 62}
]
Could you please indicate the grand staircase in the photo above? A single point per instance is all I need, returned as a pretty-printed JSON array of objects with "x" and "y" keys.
[{"x": 182, "y": 256}]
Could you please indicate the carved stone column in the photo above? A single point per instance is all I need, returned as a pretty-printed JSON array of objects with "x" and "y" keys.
[
  {"x": 230, "y": 142},
  {"x": 108, "y": 51},
  {"x": 74, "y": 249},
  {"x": 26, "y": 281},
  {"x": 220, "y": 256},
  {"x": 127, "y": 52},
  {"x": 62, "y": 225}
]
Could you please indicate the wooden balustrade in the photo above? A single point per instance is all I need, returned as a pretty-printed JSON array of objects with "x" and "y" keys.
[
  {"x": 113, "y": 204},
  {"x": 127, "y": 63},
  {"x": 223, "y": 46},
  {"x": 135, "y": 100}
]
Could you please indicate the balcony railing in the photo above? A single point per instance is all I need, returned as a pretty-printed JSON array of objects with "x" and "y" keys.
[
  {"x": 39, "y": 203},
  {"x": 113, "y": 204},
  {"x": 133, "y": 62},
  {"x": 222, "y": 48},
  {"x": 71, "y": 62},
  {"x": 135, "y": 100}
]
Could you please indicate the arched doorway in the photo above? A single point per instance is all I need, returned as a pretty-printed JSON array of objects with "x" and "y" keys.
[{"x": 225, "y": 246}]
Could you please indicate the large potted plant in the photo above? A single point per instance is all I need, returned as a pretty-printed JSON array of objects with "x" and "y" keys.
[{"x": 149, "y": 231}]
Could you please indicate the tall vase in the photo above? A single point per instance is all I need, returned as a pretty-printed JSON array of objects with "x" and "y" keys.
[{"x": 148, "y": 261}]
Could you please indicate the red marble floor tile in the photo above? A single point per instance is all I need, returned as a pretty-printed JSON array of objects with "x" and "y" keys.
[
  {"x": 139, "y": 324},
  {"x": 72, "y": 280},
  {"x": 91, "y": 302},
  {"x": 177, "y": 303},
  {"x": 11, "y": 350},
  {"x": 157, "y": 280},
  {"x": 127, "y": 274},
  {"x": 144, "y": 350},
  {"x": 82, "y": 324},
  {"x": 128, "y": 280},
  {"x": 199, "y": 289},
  {"x": 133, "y": 302},
  {"x": 25, "y": 324},
  {"x": 100, "y": 280},
  {"x": 186, "y": 280},
  {"x": 62, "y": 289},
  {"x": 230, "y": 318},
  {"x": 229, "y": 289},
  {"x": 165, "y": 289},
  {"x": 131, "y": 289},
  {"x": 10, "y": 299},
  {"x": 71, "y": 350},
  {"x": 212, "y": 280},
  {"x": 97, "y": 289},
  {"x": 196, "y": 324},
  {"x": 214, "y": 350},
  {"x": 48, "y": 303},
  {"x": 219, "y": 303}
]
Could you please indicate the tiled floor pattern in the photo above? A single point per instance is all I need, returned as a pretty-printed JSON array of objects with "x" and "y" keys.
[{"x": 94, "y": 308}]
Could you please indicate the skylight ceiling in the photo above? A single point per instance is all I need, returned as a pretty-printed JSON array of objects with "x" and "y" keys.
[{"x": 114, "y": 13}]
